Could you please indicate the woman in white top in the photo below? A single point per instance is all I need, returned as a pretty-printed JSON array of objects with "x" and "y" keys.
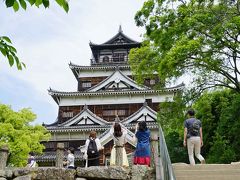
[
  {"x": 70, "y": 158},
  {"x": 92, "y": 148},
  {"x": 119, "y": 137},
  {"x": 31, "y": 160}
]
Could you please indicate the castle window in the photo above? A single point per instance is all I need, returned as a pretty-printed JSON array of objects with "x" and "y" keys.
[
  {"x": 86, "y": 84},
  {"x": 119, "y": 57},
  {"x": 67, "y": 114},
  {"x": 149, "y": 101},
  {"x": 66, "y": 144},
  {"x": 105, "y": 59},
  {"x": 119, "y": 112},
  {"x": 49, "y": 145},
  {"x": 152, "y": 82},
  {"x": 109, "y": 112}
]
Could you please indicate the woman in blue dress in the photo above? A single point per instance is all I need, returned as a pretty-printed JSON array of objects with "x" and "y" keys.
[{"x": 142, "y": 153}]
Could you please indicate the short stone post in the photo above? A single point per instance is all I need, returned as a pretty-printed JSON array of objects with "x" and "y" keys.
[
  {"x": 3, "y": 156},
  {"x": 60, "y": 155},
  {"x": 119, "y": 155},
  {"x": 155, "y": 160}
]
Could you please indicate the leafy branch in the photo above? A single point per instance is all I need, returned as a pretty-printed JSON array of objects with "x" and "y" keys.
[
  {"x": 6, "y": 47},
  {"x": 10, "y": 52}
]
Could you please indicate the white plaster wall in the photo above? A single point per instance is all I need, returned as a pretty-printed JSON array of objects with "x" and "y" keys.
[
  {"x": 59, "y": 136},
  {"x": 117, "y": 99}
]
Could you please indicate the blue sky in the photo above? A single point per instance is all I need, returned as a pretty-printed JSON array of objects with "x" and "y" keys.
[{"x": 48, "y": 39}]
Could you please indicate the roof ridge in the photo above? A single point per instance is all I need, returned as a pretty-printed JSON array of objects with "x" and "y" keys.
[{"x": 120, "y": 33}]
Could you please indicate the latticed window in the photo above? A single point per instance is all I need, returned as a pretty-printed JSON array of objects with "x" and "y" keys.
[
  {"x": 86, "y": 84},
  {"x": 118, "y": 56},
  {"x": 120, "y": 112},
  {"x": 105, "y": 59},
  {"x": 50, "y": 145},
  {"x": 66, "y": 144},
  {"x": 109, "y": 113},
  {"x": 152, "y": 82},
  {"x": 67, "y": 114}
]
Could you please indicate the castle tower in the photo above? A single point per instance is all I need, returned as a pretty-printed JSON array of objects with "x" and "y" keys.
[{"x": 106, "y": 91}]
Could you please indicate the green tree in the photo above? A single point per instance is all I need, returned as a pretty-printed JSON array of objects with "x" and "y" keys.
[
  {"x": 171, "y": 117},
  {"x": 199, "y": 38},
  {"x": 20, "y": 136},
  {"x": 177, "y": 152},
  {"x": 221, "y": 151},
  {"x": 219, "y": 112},
  {"x": 6, "y": 47}
]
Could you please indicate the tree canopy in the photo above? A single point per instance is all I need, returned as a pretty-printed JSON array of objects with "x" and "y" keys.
[
  {"x": 19, "y": 135},
  {"x": 198, "y": 38},
  {"x": 219, "y": 113},
  {"x": 171, "y": 117},
  {"x": 6, "y": 47}
]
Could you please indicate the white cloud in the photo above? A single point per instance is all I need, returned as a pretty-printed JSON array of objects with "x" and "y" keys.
[{"x": 47, "y": 40}]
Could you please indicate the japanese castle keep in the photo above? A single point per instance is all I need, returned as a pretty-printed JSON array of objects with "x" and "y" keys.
[{"x": 106, "y": 93}]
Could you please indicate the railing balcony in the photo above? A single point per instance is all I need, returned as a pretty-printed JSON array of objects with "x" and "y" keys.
[{"x": 114, "y": 60}]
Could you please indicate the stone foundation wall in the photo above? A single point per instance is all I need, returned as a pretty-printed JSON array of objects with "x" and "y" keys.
[{"x": 91, "y": 173}]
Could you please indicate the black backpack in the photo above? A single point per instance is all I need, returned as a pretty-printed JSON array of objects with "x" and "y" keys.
[
  {"x": 92, "y": 148},
  {"x": 195, "y": 128}
]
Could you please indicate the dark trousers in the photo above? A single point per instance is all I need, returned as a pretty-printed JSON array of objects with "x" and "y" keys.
[
  {"x": 71, "y": 167},
  {"x": 94, "y": 161}
]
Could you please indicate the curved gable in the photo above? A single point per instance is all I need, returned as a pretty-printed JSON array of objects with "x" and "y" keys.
[
  {"x": 85, "y": 117},
  {"x": 145, "y": 113},
  {"x": 117, "y": 81}
]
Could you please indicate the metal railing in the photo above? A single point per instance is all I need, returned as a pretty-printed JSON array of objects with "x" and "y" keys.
[{"x": 167, "y": 172}]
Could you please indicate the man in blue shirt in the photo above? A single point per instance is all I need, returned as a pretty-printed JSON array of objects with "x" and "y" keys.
[{"x": 193, "y": 137}]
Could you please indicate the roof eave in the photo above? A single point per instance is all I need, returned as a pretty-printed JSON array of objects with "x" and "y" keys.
[
  {"x": 55, "y": 98},
  {"x": 95, "y": 46},
  {"x": 69, "y": 94},
  {"x": 74, "y": 67},
  {"x": 71, "y": 66}
]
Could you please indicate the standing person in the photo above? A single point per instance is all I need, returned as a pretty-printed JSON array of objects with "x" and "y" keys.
[
  {"x": 193, "y": 137},
  {"x": 92, "y": 148},
  {"x": 142, "y": 153},
  {"x": 31, "y": 160},
  {"x": 119, "y": 137},
  {"x": 70, "y": 159}
]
